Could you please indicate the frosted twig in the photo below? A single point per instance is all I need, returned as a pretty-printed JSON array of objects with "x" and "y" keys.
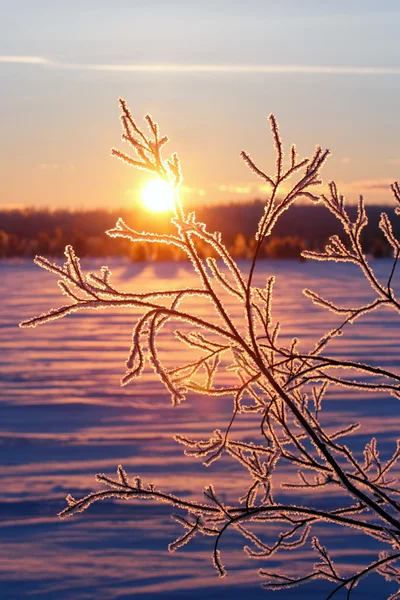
[{"x": 281, "y": 386}]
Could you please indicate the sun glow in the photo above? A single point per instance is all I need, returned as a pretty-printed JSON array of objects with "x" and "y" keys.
[{"x": 158, "y": 195}]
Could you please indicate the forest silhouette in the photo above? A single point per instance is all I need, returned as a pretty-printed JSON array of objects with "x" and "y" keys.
[{"x": 27, "y": 232}]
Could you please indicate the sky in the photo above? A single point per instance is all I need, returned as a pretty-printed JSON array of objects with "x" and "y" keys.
[{"x": 209, "y": 73}]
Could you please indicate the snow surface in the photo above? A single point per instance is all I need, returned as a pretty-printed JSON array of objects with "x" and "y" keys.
[{"x": 64, "y": 418}]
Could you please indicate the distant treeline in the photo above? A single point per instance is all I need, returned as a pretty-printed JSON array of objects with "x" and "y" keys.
[{"x": 27, "y": 232}]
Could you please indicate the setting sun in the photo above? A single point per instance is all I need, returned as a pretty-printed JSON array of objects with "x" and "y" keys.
[{"x": 158, "y": 195}]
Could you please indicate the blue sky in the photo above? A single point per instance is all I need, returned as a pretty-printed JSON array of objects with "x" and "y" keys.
[{"x": 210, "y": 73}]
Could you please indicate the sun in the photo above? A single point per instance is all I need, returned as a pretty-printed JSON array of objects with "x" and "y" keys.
[{"x": 158, "y": 195}]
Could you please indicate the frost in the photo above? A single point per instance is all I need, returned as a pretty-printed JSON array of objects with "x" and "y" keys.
[{"x": 282, "y": 386}]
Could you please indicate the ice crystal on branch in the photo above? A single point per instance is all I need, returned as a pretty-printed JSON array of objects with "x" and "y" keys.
[{"x": 283, "y": 386}]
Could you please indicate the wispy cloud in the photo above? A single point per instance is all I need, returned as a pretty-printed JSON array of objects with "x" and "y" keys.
[
  {"x": 364, "y": 185},
  {"x": 194, "y": 191},
  {"x": 235, "y": 189},
  {"x": 278, "y": 69},
  {"x": 374, "y": 184},
  {"x": 27, "y": 60},
  {"x": 205, "y": 68}
]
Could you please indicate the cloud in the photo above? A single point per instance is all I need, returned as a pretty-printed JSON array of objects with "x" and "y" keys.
[
  {"x": 271, "y": 69},
  {"x": 191, "y": 190},
  {"x": 364, "y": 185},
  {"x": 373, "y": 184},
  {"x": 235, "y": 189},
  {"x": 205, "y": 68},
  {"x": 45, "y": 166},
  {"x": 26, "y": 60}
]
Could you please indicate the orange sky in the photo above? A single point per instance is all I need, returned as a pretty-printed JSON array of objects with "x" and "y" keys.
[{"x": 210, "y": 74}]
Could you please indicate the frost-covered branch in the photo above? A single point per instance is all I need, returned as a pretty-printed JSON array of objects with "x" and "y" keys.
[{"x": 283, "y": 387}]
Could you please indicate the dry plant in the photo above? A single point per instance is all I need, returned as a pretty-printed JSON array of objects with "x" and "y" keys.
[{"x": 282, "y": 385}]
